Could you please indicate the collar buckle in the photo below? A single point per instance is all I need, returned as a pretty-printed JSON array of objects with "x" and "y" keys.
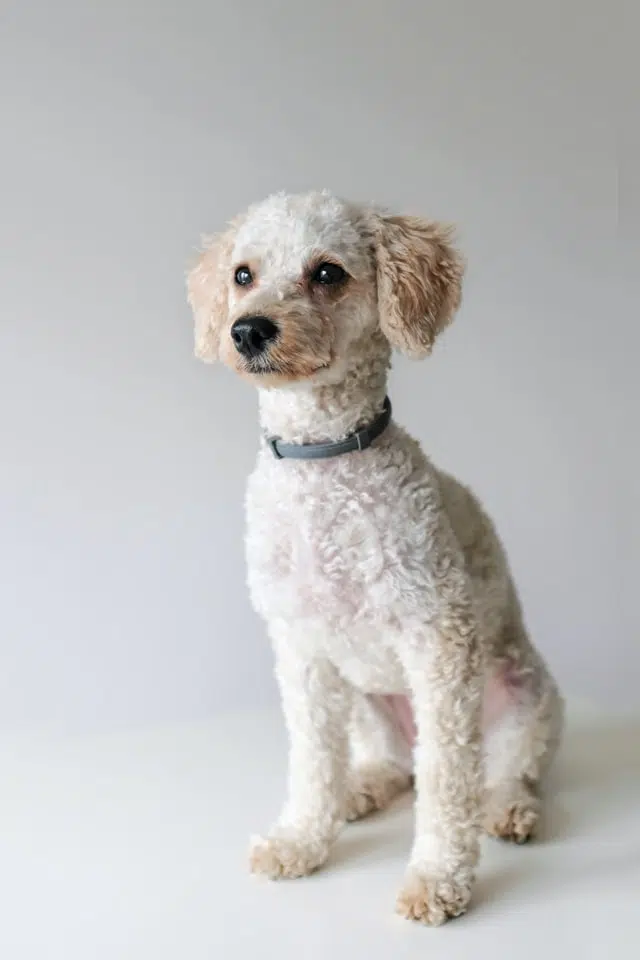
[{"x": 272, "y": 443}]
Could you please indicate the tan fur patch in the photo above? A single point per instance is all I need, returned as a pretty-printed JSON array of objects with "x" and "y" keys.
[
  {"x": 512, "y": 813},
  {"x": 207, "y": 293},
  {"x": 373, "y": 787},
  {"x": 432, "y": 901},
  {"x": 419, "y": 281},
  {"x": 282, "y": 858}
]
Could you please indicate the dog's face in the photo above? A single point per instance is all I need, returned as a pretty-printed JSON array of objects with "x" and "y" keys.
[{"x": 288, "y": 292}]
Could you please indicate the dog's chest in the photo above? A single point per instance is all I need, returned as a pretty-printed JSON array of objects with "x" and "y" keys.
[{"x": 333, "y": 542}]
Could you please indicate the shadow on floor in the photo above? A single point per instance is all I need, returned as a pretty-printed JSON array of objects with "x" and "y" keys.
[{"x": 594, "y": 786}]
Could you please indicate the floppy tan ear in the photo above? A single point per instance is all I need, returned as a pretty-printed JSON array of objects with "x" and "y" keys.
[
  {"x": 419, "y": 275},
  {"x": 207, "y": 293}
]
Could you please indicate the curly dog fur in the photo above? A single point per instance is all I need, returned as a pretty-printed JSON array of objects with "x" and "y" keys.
[{"x": 380, "y": 578}]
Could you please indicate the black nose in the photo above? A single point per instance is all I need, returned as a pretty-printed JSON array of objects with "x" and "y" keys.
[{"x": 252, "y": 334}]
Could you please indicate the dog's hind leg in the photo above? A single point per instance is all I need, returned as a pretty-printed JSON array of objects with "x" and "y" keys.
[
  {"x": 521, "y": 738},
  {"x": 381, "y": 756}
]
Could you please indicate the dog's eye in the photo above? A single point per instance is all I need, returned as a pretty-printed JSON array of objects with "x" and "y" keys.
[
  {"x": 329, "y": 274},
  {"x": 243, "y": 276}
]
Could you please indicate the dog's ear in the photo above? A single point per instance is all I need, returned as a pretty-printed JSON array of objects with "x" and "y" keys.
[
  {"x": 419, "y": 276},
  {"x": 207, "y": 293}
]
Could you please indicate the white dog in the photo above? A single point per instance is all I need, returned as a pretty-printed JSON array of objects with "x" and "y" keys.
[{"x": 379, "y": 577}]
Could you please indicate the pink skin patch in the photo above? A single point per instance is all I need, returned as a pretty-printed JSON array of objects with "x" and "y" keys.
[
  {"x": 399, "y": 709},
  {"x": 498, "y": 698}
]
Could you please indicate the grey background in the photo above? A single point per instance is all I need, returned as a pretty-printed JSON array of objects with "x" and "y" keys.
[{"x": 128, "y": 128}]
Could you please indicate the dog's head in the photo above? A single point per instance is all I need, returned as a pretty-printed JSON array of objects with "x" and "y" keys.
[{"x": 289, "y": 291}]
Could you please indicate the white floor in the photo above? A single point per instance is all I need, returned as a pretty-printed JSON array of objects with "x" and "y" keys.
[{"x": 133, "y": 846}]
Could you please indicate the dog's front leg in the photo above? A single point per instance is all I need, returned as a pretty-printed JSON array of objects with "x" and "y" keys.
[
  {"x": 316, "y": 703},
  {"x": 444, "y": 673}
]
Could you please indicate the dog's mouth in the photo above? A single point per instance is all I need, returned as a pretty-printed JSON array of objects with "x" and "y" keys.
[
  {"x": 263, "y": 367},
  {"x": 268, "y": 370}
]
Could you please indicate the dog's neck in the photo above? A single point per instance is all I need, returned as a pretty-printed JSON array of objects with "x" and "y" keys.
[{"x": 329, "y": 412}]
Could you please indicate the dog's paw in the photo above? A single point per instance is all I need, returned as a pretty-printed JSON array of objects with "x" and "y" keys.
[
  {"x": 432, "y": 900},
  {"x": 373, "y": 787},
  {"x": 512, "y": 814},
  {"x": 518, "y": 823},
  {"x": 285, "y": 857}
]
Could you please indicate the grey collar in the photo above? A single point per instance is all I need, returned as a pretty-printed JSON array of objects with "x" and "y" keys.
[{"x": 359, "y": 440}]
